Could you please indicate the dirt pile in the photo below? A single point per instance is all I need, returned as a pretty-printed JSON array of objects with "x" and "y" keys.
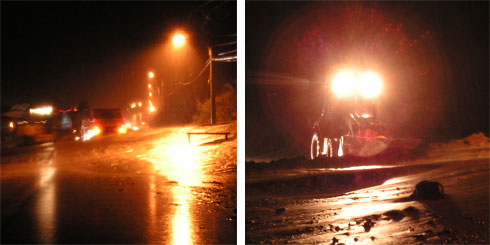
[{"x": 479, "y": 140}]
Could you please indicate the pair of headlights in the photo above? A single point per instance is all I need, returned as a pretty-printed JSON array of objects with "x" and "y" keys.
[{"x": 349, "y": 82}]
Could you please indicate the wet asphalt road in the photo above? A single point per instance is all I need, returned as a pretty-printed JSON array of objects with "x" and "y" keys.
[
  {"x": 357, "y": 202},
  {"x": 144, "y": 187}
]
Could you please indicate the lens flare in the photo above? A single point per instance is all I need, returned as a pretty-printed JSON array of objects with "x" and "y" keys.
[
  {"x": 370, "y": 85},
  {"x": 344, "y": 83}
]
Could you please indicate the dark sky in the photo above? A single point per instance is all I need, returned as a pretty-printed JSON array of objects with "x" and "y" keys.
[
  {"x": 66, "y": 52},
  {"x": 434, "y": 55}
]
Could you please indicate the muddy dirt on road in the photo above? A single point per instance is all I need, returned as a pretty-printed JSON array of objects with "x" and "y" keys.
[{"x": 369, "y": 200}]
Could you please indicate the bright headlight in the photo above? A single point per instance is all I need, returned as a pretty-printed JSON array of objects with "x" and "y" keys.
[
  {"x": 370, "y": 85},
  {"x": 344, "y": 83}
]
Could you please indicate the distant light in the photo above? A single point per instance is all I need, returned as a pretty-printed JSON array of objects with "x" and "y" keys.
[
  {"x": 150, "y": 94},
  {"x": 149, "y": 102},
  {"x": 365, "y": 115},
  {"x": 133, "y": 105},
  {"x": 149, "y": 85},
  {"x": 178, "y": 40},
  {"x": 42, "y": 110},
  {"x": 139, "y": 104},
  {"x": 151, "y": 74},
  {"x": 121, "y": 129},
  {"x": 11, "y": 125},
  {"x": 77, "y": 138},
  {"x": 135, "y": 128},
  {"x": 151, "y": 109},
  {"x": 128, "y": 125},
  {"x": 143, "y": 123}
]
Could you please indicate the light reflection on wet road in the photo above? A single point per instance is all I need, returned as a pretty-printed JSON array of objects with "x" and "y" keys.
[
  {"x": 145, "y": 187},
  {"x": 379, "y": 213}
]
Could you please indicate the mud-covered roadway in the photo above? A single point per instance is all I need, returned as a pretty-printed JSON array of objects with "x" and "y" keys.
[
  {"x": 359, "y": 201},
  {"x": 143, "y": 187}
]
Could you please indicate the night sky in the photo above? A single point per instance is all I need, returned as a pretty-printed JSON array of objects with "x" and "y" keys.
[
  {"x": 434, "y": 57},
  {"x": 68, "y": 52}
]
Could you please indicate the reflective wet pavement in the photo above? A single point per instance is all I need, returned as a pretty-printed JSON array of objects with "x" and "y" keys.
[
  {"x": 371, "y": 204},
  {"x": 143, "y": 187}
]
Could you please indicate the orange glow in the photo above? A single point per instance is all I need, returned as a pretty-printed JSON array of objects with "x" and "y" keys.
[
  {"x": 178, "y": 40},
  {"x": 178, "y": 160},
  {"x": 184, "y": 163},
  {"x": 42, "y": 110},
  {"x": 151, "y": 109},
  {"x": 133, "y": 105},
  {"x": 151, "y": 74},
  {"x": 181, "y": 220},
  {"x": 149, "y": 85},
  {"x": 139, "y": 104},
  {"x": 11, "y": 125},
  {"x": 46, "y": 204},
  {"x": 122, "y": 129},
  {"x": 96, "y": 130},
  {"x": 150, "y": 94}
]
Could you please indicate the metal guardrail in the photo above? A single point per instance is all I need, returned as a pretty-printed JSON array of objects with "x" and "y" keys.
[{"x": 190, "y": 133}]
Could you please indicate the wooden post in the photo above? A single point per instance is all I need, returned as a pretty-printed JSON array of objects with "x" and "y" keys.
[{"x": 211, "y": 87}]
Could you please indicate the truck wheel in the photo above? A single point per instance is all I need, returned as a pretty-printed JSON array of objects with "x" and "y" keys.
[
  {"x": 329, "y": 149},
  {"x": 315, "y": 146},
  {"x": 338, "y": 147}
]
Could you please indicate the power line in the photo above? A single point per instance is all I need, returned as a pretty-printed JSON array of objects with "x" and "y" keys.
[
  {"x": 226, "y": 59},
  {"x": 224, "y": 44},
  {"x": 229, "y": 52},
  {"x": 195, "y": 78}
]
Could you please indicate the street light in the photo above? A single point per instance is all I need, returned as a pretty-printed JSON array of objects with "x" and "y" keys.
[
  {"x": 178, "y": 40},
  {"x": 151, "y": 75}
]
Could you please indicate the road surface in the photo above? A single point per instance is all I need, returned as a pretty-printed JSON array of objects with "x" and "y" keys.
[
  {"x": 143, "y": 187},
  {"x": 355, "y": 201}
]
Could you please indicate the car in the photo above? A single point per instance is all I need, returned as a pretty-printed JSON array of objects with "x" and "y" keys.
[
  {"x": 24, "y": 123},
  {"x": 109, "y": 121},
  {"x": 9, "y": 132}
]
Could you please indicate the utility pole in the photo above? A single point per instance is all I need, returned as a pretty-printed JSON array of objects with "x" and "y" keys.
[{"x": 211, "y": 87}]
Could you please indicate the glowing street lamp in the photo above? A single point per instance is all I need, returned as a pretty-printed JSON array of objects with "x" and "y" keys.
[
  {"x": 178, "y": 40},
  {"x": 151, "y": 75}
]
